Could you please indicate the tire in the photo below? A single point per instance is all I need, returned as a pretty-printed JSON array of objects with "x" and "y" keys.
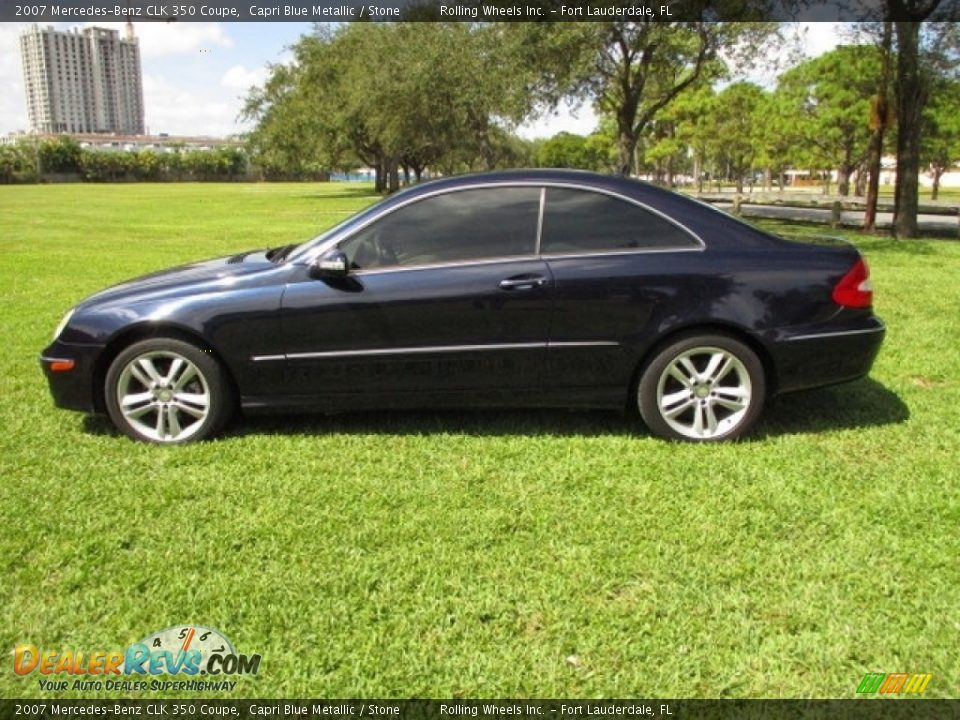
[
  {"x": 701, "y": 388},
  {"x": 167, "y": 391}
]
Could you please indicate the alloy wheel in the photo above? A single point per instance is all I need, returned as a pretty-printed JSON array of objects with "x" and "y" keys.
[
  {"x": 163, "y": 396},
  {"x": 704, "y": 393}
]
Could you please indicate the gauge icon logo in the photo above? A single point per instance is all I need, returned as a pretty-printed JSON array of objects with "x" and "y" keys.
[
  {"x": 188, "y": 649},
  {"x": 190, "y": 637}
]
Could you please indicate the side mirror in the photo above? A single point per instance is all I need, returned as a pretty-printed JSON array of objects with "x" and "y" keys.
[{"x": 332, "y": 264}]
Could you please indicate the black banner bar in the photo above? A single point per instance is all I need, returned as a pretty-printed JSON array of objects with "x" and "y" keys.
[
  {"x": 877, "y": 708},
  {"x": 82, "y": 11}
]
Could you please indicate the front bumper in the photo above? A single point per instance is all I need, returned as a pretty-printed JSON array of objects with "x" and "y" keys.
[
  {"x": 827, "y": 356},
  {"x": 72, "y": 387}
]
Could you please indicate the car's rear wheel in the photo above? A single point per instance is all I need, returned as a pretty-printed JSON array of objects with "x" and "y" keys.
[
  {"x": 702, "y": 388},
  {"x": 164, "y": 390}
]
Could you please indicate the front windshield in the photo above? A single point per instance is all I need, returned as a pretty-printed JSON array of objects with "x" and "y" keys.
[{"x": 300, "y": 251}]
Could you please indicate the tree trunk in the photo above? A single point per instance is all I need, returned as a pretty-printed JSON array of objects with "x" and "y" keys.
[
  {"x": 626, "y": 146},
  {"x": 911, "y": 96},
  {"x": 882, "y": 113},
  {"x": 843, "y": 180},
  {"x": 860, "y": 186},
  {"x": 935, "y": 190},
  {"x": 378, "y": 183},
  {"x": 393, "y": 174}
]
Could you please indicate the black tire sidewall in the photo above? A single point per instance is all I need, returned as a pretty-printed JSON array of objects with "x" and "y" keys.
[
  {"x": 645, "y": 396},
  {"x": 221, "y": 400}
]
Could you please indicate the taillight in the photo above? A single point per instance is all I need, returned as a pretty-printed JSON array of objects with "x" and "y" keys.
[{"x": 854, "y": 289}]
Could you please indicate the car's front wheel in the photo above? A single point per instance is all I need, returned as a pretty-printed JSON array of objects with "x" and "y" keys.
[
  {"x": 164, "y": 390},
  {"x": 702, "y": 388}
]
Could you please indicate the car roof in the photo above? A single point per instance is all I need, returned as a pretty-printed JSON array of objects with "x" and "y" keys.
[{"x": 534, "y": 175}]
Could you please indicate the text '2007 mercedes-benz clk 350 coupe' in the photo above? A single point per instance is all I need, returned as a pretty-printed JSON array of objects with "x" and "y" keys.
[{"x": 540, "y": 288}]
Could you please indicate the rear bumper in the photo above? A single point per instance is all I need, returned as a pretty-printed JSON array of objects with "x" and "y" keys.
[
  {"x": 827, "y": 356},
  {"x": 71, "y": 389}
]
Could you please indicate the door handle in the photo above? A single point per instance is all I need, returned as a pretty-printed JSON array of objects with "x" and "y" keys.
[{"x": 522, "y": 283}]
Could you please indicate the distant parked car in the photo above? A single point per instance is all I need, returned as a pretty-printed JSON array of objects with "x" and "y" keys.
[{"x": 532, "y": 288}]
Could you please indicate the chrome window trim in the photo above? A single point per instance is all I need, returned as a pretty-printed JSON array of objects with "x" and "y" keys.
[
  {"x": 606, "y": 253},
  {"x": 451, "y": 264},
  {"x": 837, "y": 333},
  {"x": 515, "y": 258},
  {"x": 375, "y": 352},
  {"x": 311, "y": 255}
]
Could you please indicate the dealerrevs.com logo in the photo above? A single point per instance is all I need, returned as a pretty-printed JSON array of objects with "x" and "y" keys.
[{"x": 184, "y": 651}]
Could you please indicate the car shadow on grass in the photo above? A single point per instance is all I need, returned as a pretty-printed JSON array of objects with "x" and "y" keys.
[
  {"x": 861, "y": 404},
  {"x": 479, "y": 422},
  {"x": 493, "y": 422}
]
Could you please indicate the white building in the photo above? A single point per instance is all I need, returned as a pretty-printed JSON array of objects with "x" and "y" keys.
[{"x": 85, "y": 81}]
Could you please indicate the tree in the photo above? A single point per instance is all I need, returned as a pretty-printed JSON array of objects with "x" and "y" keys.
[
  {"x": 105, "y": 165},
  {"x": 566, "y": 150},
  {"x": 734, "y": 129},
  {"x": 60, "y": 155},
  {"x": 941, "y": 134},
  {"x": 911, "y": 93},
  {"x": 391, "y": 95},
  {"x": 633, "y": 70},
  {"x": 880, "y": 120},
  {"x": 776, "y": 136},
  {"x": 16, "y": 163},
  {"x": 293, "y": 136},
  {"x": 829, "y": 100},
  {"x": 662, "y": 150},
  {"x": 914, "y": 70},
  {"x": 147, "y": 165},
  {"x": 602, "y": 145},
  {"x": 693, "y": 113}
]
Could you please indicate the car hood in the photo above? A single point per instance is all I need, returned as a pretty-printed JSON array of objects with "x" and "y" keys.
[{"x": 208, "y": 275}]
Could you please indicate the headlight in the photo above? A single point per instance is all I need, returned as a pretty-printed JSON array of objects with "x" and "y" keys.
[{"x": 63, "y": 323}]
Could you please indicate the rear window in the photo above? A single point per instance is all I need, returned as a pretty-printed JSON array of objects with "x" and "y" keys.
[{"x": 581, "y": 221}]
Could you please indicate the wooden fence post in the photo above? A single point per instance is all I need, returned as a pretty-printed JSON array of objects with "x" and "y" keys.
[{"x": 836, "y": 213}]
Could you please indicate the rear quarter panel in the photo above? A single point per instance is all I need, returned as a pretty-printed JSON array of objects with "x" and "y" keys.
[{"x": 639, "y": 300}]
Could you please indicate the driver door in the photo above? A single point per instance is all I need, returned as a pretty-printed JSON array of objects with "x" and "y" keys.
[{"x": 445, "y": 295}]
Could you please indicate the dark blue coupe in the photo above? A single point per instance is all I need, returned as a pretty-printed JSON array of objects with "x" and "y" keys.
[{"x": 534, "y": 288}]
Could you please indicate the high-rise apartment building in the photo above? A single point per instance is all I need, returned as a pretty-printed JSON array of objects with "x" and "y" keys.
[{"x": 82, "y": 81}]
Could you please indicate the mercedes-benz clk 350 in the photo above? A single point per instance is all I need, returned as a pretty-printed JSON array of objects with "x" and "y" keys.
[{"x": 539, "y": 288}]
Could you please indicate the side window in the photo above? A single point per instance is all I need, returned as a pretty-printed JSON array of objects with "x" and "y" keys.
[
  {"x": 578, "y": 221},
  {"x": 452, "y": 227}
]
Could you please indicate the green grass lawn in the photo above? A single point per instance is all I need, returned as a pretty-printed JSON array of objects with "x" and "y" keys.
[{"x": 488, "y": 554}]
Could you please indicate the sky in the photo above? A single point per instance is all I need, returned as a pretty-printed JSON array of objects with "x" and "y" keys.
[{"x": 195, "y": 75}]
